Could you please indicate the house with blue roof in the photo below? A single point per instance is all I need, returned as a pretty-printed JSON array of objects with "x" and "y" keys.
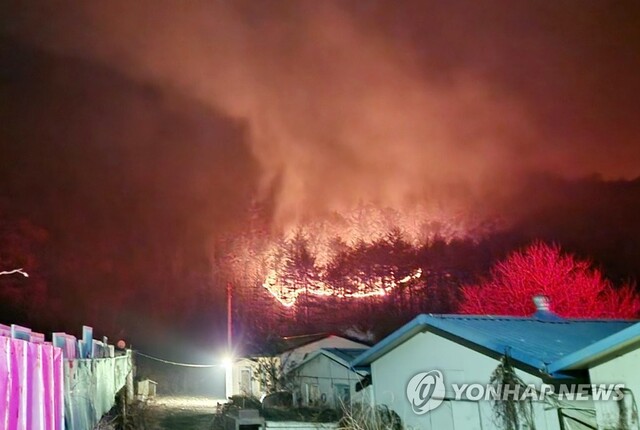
[
  {"x": 246, "y": 375},
  {"x": 436, "y": 355}
]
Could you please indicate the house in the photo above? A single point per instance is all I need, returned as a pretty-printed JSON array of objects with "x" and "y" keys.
[
  {"x": 325, "y": 378},
  {"x": 249, "y": 375},
  {"x": 296, "y": 348},
  {"x": 420, "y": 370}
]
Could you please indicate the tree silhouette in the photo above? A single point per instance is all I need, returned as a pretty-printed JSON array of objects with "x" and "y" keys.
[
  {"x": 22, "y": 300},
  {"x": 574, "y": 287}
]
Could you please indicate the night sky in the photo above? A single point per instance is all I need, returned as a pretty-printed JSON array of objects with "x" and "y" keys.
[{"x": 134, "y": 137}]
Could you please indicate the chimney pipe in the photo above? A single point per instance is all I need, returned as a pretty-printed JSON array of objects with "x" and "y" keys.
[
  {"x": 543, "y": 309},
  {"x": 542, "y": 302}
]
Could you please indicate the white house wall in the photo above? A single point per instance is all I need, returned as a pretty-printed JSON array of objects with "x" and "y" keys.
[
  {"x": 624, "y": 369},
  {"x": 237, "y": 387},
  {"x": 459, "y": 364},
  {"x": 326, "y": 374}
]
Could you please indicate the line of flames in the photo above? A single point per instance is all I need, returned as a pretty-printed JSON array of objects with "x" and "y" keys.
[
  {"x": 11, "y": 272},
  {"x": 287, "y": 296}
]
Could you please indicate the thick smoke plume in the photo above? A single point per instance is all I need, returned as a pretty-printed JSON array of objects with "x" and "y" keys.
[{"x": 423, "y": 104}]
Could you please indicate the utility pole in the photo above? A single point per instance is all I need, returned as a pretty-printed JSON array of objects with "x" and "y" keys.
[
  {"x": 229, "y": 356},
  {"x": 229, "y": 318}
]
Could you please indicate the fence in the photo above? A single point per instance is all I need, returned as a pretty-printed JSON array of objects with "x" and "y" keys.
[
  {"x": 69, "y": 384},
  {"x": 31, "y": 387}
]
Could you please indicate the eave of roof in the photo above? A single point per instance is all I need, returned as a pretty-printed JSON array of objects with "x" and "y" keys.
[
  {"x": 599, "y": 352},
  {"x": 298, "y": 341},
  {"x": 449, "y": 326},
  {"x": 330, "y": 355},
  {"x": 292, "y": 342},
  {"x": 404, "y": 333},
  {"x": 447, "y": 329}
]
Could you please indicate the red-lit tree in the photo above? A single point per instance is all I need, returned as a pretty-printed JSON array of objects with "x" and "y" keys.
[{"x": 574, "y": 287}]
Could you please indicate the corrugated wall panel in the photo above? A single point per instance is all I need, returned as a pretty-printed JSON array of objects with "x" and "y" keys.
[{"x": 28, "y": 385}]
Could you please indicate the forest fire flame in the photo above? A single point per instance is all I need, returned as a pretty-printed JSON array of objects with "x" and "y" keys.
[
  {"x": 380, "y": 286},
  {"x": 364, "y": 253}
]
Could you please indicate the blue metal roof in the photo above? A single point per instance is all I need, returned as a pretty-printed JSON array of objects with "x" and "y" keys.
[
  {"x": 343, "y": 356},
  {"x": 611, "y": 346},
  {"x": 346, "y": 354},
  {"x": 536, "y": 341}
]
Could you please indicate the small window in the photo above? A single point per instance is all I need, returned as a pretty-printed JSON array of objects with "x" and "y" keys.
[
  {"x": 343, "y": 393},
  {"x": 245, "y": 381}
]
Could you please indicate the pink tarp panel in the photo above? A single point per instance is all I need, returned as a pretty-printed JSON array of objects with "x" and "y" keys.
[
  {"x": 19, "y": 388},
  {"x": 48, "y": 389},
  {"x": 30, "y": 386},
  {"x": 5, "y": 381},
  {"x": 34, "y": 375},
  {"x": 58, "y": 386}
]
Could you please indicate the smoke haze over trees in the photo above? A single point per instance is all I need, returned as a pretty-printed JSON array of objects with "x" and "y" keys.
[
  {"x": 136, "y": 143},
  {"x": 378, "y": 101}
]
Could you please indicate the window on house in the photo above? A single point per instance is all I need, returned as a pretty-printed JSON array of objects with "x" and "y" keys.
[
  {"x": 310, "y": 394},
  {"x": 314, "y": 394},
  {"x": 343, "y": 393},
  {"x": 245, "y": 381}
]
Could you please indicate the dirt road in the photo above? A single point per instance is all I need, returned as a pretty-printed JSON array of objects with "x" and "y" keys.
[{"x": 177, "y": 413}]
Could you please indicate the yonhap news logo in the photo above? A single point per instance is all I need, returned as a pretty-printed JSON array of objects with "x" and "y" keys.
[{"x": 426, "y": 391}]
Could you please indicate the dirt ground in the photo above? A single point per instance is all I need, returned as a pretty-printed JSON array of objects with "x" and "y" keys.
[{"x": 176, "y": 413}]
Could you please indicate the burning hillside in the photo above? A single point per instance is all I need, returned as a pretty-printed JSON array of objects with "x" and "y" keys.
[{"x": 365, "y": 260}]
